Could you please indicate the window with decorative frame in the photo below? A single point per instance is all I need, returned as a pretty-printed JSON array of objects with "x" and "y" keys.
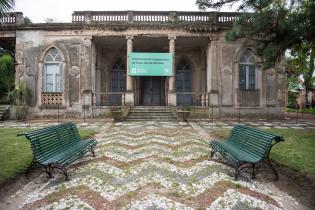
[
  {"x": 117, "y": 82},
  {"x": 247, "y": 71},
  {"x": 52, "y": 88},
  {"x": 52, "y": 72},
  {"x": 183, "y": 83}
]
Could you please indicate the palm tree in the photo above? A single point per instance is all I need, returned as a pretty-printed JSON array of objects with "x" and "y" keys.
[{"x": 6, "y": 6}]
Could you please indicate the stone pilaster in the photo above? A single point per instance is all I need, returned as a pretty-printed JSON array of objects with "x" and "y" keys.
[
  {"x": 129, "y": 96},
  {"x": 212, "y": 73},
  {"x": 171, "y": 81}
]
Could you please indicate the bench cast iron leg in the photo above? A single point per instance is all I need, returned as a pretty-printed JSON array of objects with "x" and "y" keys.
[
  {"x": 48, "y": 171},
  {"x": 63, "y": 170},
  {"x": 212, "y": 153},
  {"x": 237, "y": 172},
  {"x": 273, "y": 169},
  {"x": 30, "y": 167},
  {"x": 253, "y": 172},
  {"x": 93, "y": 153}
]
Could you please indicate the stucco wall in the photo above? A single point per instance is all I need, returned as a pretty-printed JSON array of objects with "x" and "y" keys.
[
  {"x": 86, "y": 67},
  {"x": 31, "y": 48}
]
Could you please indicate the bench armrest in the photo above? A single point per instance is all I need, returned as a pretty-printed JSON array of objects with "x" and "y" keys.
[{"x": 20, "y": 134}]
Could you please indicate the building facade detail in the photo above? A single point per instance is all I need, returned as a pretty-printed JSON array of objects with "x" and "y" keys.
[{"x": 85, "y": 64}]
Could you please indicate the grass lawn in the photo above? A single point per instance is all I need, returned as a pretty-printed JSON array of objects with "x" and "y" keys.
[
  {"x": 296, "y": 152},
  {"x": 15, "y": 152}
]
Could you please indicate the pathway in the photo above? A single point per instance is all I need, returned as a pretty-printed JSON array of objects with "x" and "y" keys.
[{"x": 150, "y": 165}]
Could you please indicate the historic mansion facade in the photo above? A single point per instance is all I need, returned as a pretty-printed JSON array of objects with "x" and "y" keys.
[{"x": 84, "y": 64}]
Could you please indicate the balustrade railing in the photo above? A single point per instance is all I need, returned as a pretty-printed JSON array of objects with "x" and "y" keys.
[
  {"x": 138, "y": 17},
  {"x": 192, "y": 99},
  {"x": 193, "y": 17},
  {"x": 109, "y": 99},
  {"x": 143, "y": 17},
  {"x": 12, "y": 18}
]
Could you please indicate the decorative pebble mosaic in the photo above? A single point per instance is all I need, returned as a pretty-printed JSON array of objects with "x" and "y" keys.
[{"x": 151, "y": 165}]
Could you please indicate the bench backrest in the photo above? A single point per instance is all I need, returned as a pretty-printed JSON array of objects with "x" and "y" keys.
[
  {"x": 252, "y": 140},
  {"x": 47, "y": 142}
]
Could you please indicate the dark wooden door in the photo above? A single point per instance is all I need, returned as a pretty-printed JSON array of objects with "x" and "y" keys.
[{"x": 152, "y": 89}]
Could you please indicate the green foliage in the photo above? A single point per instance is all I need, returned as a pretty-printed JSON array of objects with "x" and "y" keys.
[
  {"x": 274, "y": 26},
  {"x": 16, "y": 153},
  {"x": 186, "y": 108},
  {"x": 6, "y": 6},
  {"x": 27, "y": 20},
  {"x": 296, "y": 152},
  {"x": 20, "y": 94},
  {"x": 301, "y": 63},
  {"x": 116, "y": 108},
  {"x": 304, "y": 110},
  {"x": 7, "y": 74}
]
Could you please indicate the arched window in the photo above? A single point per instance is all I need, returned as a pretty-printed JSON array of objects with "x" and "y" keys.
[
  {"x": 118, "y": 81},
  {"x": 184, "y": 83},
  {"x": 52, "y": 74},
  {"x": 247, "y": 71}
]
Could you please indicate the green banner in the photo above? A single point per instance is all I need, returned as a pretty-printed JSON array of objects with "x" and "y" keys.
[{"x": 150, "y": 64}]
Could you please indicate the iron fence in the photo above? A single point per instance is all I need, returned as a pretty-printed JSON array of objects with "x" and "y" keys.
[{"x": 109, "y": 99}]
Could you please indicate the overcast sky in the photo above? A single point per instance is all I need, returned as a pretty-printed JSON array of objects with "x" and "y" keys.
[{"x": 39, "y": 10}]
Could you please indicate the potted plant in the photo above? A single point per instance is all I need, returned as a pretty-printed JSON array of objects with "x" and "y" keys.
[
  {"x": 117, "y": 113},
  {"x": 183, "y": 113},
  {"x": 19, "y": 96}
]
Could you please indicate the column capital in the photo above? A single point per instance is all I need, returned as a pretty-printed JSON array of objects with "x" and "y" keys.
[
  {"x": 213, "y": 40},
  {"x": 128, "y": 37},
  {"x": 172, "y": 37}
]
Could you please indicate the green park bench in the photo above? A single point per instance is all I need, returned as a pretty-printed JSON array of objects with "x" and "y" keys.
[
  {"x": 245, "y": 148},
  {"x": 58, "y": 146}
]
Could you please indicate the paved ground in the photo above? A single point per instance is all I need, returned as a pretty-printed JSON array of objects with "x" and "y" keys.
[{"x": 149, "y": 165}]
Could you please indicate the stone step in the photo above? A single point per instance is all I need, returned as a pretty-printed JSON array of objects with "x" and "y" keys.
[
  {"x": 158, "y": 120},
  {"x": 150, "y": 110},
  {"x": 150, "y": 116},
  {"x": 151, "y": 113},
  {"x": 152, "y": 119},
  {"x": 3, "y": 114},
  {"x": 149, "y": 107},
  {"x": 156, "y": 110}
]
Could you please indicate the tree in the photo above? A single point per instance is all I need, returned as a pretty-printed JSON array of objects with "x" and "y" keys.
[
  {"x": 274, "y": 26},
  {"x": 6, "y": 6},
  {"x": 52, "y": 20},
  {"x": 27, "y": 20},
  {"x": 301, "y": 62},
  {"x": 7, "y": 74}
]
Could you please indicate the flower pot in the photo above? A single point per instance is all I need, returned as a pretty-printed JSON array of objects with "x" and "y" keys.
[
  {"x": 117, "y": 115},
  {"x": 183, "y": 115}
]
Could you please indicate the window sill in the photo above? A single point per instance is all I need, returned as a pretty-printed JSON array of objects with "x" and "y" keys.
[
  {"x": 52, "y": 106},
  {"x": 249, "y": 90}
]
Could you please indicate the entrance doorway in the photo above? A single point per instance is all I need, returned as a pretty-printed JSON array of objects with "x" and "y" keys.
[{"x": 152, "y": 91}]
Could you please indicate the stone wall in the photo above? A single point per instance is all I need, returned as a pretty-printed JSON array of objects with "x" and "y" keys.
[
  {"x": 31, "y": 49},
  {"x": 86, "y": 65}
]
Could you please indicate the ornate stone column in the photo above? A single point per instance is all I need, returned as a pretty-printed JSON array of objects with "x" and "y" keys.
[
  {"x": 171, "y": 81},
  {"x": 129, "y": 95},
  {"x": 212, "y": 72}
]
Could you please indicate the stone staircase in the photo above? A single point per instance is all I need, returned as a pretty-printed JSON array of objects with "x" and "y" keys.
[
  {"x": 4, "y": 112},
  {"x": 150, "y": 113}
]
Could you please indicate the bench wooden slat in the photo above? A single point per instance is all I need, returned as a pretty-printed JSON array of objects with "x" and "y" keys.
[
  {"x": 246, "y": 145},
  {"x": 58, "y": 146}
]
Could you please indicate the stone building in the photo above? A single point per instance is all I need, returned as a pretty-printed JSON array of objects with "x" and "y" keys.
[{"x": 84, "y": 64}]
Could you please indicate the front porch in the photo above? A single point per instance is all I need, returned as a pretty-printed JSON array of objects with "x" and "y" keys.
[{"x": 114, "y": 86}]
